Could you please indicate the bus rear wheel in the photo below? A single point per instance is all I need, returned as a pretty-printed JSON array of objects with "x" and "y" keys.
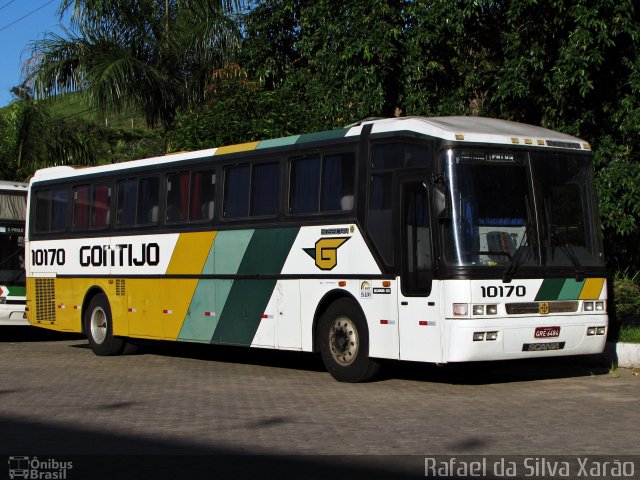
[
  {"x": 98, "y": 324},
  {"x": 344, "y": 343}
]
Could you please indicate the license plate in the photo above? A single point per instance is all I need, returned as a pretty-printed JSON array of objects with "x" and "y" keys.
[
  {"x": 542, "y": 347},
  {"x": 547, "y": 332}
]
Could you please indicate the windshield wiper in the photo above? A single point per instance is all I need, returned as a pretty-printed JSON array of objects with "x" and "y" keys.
[
  {"x": 568, "y": 250},
  {"x": 515, "y": 263}
]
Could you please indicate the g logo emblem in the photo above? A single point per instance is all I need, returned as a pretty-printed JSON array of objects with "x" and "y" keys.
[
  {"x": 543, "y": 308},
  {"x": 325, "y": 252}
]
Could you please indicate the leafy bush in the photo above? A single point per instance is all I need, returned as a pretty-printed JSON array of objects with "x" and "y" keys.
[{"x": 626, "y": 291}]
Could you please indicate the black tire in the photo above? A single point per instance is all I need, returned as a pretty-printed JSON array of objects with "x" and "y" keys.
[
  {"x": 98, "y": 325},
  {"x": 344, "y": 342}
]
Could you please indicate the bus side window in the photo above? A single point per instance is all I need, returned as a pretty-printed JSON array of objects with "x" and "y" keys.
[
  {"x": 126, "y": 199},
  {"x": 148, "y": 201},
  {"x": 177, "y": 197},
  {"x": 265, "y": 189},
  {"x": 81, "y": 207},
  {"x": 203, "y": 191},
  {"x": 236, "y": 192},
  {"x": 100, "y": 206},
  {"x": 338, "y": 177},
  {"x": 59, "y": 208},
  {"x": 304, "y": 185},
  {"x": 43, "y": 211}
]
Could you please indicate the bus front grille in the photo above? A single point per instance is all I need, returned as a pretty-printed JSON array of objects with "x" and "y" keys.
[
  {"x": 541, "y": 307},
  {"x": 45, "y": 300}
]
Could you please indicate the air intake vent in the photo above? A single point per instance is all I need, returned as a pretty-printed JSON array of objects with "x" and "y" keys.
[
  {"x": 45, "y": 300},
  {"x": 541, "y": 308},
  {"x": 120, "y": 287}
]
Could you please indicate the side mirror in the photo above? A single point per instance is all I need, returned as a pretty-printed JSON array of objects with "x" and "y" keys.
[{"x": 441, "y": 202}]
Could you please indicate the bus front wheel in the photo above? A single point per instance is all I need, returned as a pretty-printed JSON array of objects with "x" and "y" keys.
[
  {"x": 98, "y": 324},
  {"x": 344, "y": 343}
]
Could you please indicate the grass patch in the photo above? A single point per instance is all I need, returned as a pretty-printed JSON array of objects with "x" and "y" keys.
[{"x": 629, "y": 334}]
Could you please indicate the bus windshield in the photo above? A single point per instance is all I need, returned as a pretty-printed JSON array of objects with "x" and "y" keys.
[{"x": 518, "y": 209}]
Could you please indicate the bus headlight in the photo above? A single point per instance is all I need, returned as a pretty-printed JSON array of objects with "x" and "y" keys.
[{"x": 460, "y": 309}]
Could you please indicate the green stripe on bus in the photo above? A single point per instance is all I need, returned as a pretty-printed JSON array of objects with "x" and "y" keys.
[
  {"x": 550, "y": 289},
  {"x": 278, "y": 142},
  {"x": 210, "y": 297},
  {"x": 322, "y": 136},
  {"x": 248, "y": 299},
  {"x": 15, "y": 291},
  {"x": 571, "y": 289}
]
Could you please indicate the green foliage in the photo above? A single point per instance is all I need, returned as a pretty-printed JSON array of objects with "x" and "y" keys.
[
  {"x": 154, "y": 57},
  {"x": 626, "y": 292}
]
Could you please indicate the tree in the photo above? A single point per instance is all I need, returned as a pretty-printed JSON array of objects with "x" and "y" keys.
[{"x": 149, "y": 55}]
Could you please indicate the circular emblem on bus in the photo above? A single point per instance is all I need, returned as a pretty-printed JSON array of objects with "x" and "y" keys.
[{"x": 543, "y": 308}]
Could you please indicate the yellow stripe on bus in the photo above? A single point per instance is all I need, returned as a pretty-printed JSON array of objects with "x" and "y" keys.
[
  {"x": 591, "y": 289},
  {"x": 190, "y": 253},
  {"x": 242, "y": 147}
]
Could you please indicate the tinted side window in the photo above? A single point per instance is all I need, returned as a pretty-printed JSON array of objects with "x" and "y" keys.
[
  {"x": 101, "y": 206},
  {"x": 43, "y": 211},
  {"x": 236, "y": 192},
  {"x": 203, "y": 191},
  {"x": 59, "y": 208},
  {"x": 177, "y": 197},
  {"x": 265, "y": 189},
  {"x": 81, "y": 207},
  {"x": 127, "y": 195},
  {"x": 148, "y": 201},
  {"x": 338, "y": 176},
  {"x": 305, "y": 185}
]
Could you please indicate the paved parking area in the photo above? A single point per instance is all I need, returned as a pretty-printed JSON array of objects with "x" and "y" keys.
[{"x": 57, "y": 398}]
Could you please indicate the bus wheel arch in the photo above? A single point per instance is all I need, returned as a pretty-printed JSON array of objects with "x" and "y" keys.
[
  {"x": 342, "y": 338},
  {"x": 98, "y": 325}
]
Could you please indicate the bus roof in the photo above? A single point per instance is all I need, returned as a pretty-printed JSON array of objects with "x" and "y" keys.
[
  {"x": 457, "y": 129},
  {"x": 12, "y": 186}
]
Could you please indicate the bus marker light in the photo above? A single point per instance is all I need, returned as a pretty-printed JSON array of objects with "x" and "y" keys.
[
  {"x": 460, "y": 309},
  {"x": 386, "y": 283},
  {"x": 131, "y": 310},
  {"x": 168, "y": 312},
  {"x": 76, "y": 307},
  {"x": 540, "y": 142},
  {"x": 61, "y": 307},
  {"x": 528, "y": 141},
  {"x": 478, "y": 336},
  {"x": 492, "y": 336},
  {"x": 384, "y": 322},
  {"x": 423, "y": 323},
  {"x": 342, "y": 283},
  {"x": 209, "y": 314},
  {"x": 459, "y": 136}
]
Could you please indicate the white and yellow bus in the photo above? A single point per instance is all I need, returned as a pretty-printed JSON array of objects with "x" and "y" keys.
[
  {"x": 13, "y": 209},
  {"x": 426, "y": 239}
]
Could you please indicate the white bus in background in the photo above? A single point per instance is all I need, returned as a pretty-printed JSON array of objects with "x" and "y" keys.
[
  {"x": 425, "y": 239},
  {"x": 13, "y": 207}
]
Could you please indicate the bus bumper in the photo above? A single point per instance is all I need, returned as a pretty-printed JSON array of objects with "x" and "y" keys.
[
  {"x": 13, "y": 314},
  {"x": 528, "y": 337}
]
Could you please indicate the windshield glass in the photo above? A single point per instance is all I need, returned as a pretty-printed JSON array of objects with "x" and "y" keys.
[
  {"x": 512, "y": 210},
  {"x": 11, "y": 255},
  {"x": 570, "y": 232},
  {"x": 491, "y": 208}
]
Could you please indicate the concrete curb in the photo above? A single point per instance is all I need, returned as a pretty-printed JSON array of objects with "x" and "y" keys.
[{"x": 626, "y": 355}]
